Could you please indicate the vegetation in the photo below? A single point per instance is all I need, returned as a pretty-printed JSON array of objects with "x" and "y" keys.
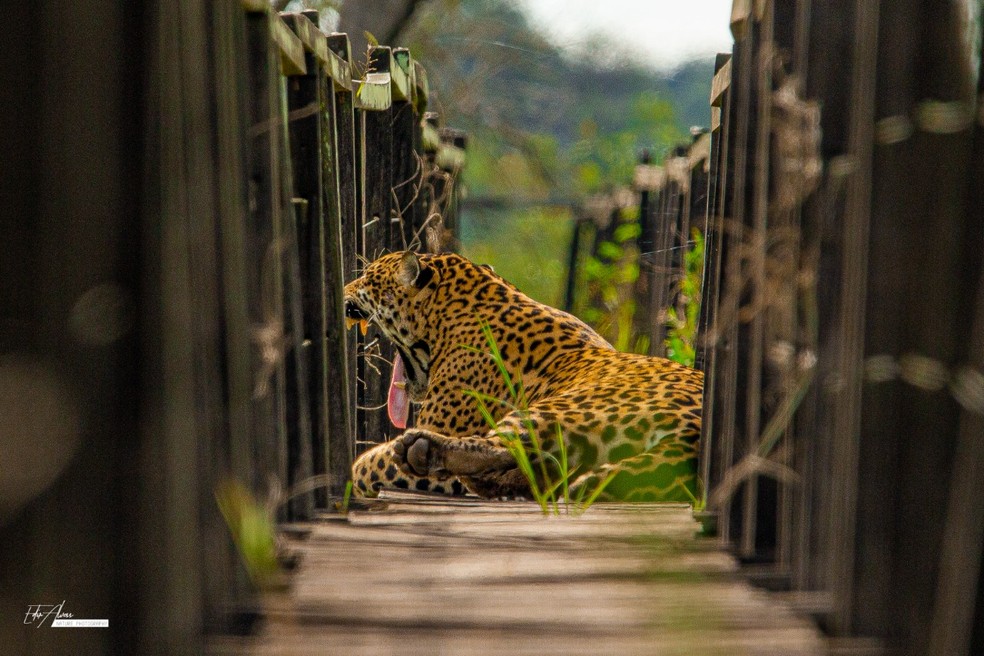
[
  {"x": 534, "y": 154},
  {"x": 682, "y": 318},
  {"x": 251, "y": 525}
]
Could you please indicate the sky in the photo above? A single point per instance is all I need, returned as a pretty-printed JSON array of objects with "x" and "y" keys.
[{"x": 668, "y": 32}]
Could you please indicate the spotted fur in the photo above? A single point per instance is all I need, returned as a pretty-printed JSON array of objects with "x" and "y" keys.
[{"x": 636, "y": 415}]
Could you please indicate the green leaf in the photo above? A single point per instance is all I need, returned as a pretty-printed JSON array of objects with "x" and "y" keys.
[{"x": 627, "y": 231}]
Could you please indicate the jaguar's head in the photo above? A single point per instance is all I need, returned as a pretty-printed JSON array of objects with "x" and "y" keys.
[{"x": 389, "y": 295}]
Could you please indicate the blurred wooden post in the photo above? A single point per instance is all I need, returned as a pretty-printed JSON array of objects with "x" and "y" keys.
[
  {"x": 374, "y": 104},
  {"x": 422, "y": 204},
  {"x": 346, "y": 192},
  {"x": 407, "y": 169},
  {"x": 573, "y": 262},
  {"x": 648, "y": 181},
  {"x": 699, "y": 157},
  {"x": 306, "y": 136},
  {"x": 264, "y": 231},
  {"x": 450, "y": 160},
  {"x": 715, "y": 452},
  {"x": 724, "y": 383}
]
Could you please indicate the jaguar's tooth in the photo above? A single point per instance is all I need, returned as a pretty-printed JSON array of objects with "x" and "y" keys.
[{"x": 363, "y": 326}]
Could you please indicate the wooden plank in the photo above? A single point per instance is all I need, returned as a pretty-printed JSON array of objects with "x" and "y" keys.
[
  {"x": 299, "y": 408},
  {"x": 263, "y": 227},
  {"x": 961, "y": 569},
  {"x": 699, "y": 152},
  {"x": 305, "y": 26},
  {"x": 346, "y": 192},
  {"x": 340, "y": 349},
  {"x": 721, "y": 81},
  {"x": 407, "y": 172},
  {"x": 754, "y": 381},
  {"x": 715, "y": 246},
  {"x": 648, "y": 177},
  {"x": 306, "y": 137},
  {"x": 289, "y": 46},
  {"x": 857, "y": 219},
  {"x": 450, "y": 158},
  {"x": 228, "y": 43},
  {"x": 377, "y": 176},
  {"x": 512, "y": 581},
  {"x": 730, "y": 345},
  {"x": 741, "y": 17}
]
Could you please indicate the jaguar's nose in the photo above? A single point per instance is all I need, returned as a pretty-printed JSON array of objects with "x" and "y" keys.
[{"x": 353, "y": 311}]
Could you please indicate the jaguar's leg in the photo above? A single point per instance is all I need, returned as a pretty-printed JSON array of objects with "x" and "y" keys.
[
  {"x": 379, "y": 468},
  {"x": 667, "y": 472},
  {"x": 481, "y": 462}
]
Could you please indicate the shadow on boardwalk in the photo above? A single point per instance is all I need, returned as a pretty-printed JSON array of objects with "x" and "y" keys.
[{"x": 415, "y": 574}]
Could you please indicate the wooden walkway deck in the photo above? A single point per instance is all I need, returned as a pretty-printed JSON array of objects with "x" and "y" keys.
[{"x": 417, "y": 575}]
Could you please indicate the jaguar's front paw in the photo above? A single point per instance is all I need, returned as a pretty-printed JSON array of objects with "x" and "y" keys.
[{"x": 418, "y": 452}]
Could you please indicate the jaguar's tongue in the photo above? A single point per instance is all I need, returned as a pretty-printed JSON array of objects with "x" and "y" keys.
[{"x": 398, "y": 404}]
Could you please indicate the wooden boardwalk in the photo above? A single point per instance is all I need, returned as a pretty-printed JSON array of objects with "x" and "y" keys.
[{"x": 411, "y": 574}]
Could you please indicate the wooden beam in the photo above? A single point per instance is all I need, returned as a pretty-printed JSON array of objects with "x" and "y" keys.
[
  {"x": 700, "y": 151},
  {"x": 741, "y": 14},
  {"x": 721, "y": 82},
  {"x": 290, "y": 47},
  {"x": 315, "y": 41}
]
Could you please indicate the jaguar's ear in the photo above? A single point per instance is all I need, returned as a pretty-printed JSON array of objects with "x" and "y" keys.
[{"x": 413, "y": 272}]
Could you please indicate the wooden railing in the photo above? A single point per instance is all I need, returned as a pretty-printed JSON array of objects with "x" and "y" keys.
[
  {"x": 843, "y": 318},
  {"x": 346, "y": 164}
]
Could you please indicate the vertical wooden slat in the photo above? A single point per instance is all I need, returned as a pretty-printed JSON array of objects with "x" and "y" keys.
[
  {"x": 306, "y": 136},
  {"x": 852, "y": 310},
  {"x": 336, "y": 113},
  {"x": 377, "y": 206},
  {"x": 407, "y": 170},
  {"x": 346, "y": 191},
  {"x": 715, "y": 247},
  {"x": 264, "y": 130},
  {"x": 757, "y": 245},
  {"x": 959, "y": 600},
  {"x": 728, "y": 404}
]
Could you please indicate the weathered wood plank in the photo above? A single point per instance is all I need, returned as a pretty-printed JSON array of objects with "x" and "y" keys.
[
  {"x": 721, "y": 82},
  {"x": 336, "y": 113},
  {"x": 306, "y": 133},
  {"x": 426, "y": 575}
]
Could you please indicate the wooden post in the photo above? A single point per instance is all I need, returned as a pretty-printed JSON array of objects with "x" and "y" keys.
[
  {"x": 573, "y": 263},
  {"x": 346, "y": 190},
  {"x": 715, "y": 452},
  {"x": 451, "y": 159},
  {"x": 265, "y": 318},
  {"x": 298, "y": 406},
  {"x": 407, "y": 168},
  {"x": 648, "y": 181},
  {"x": 305, "y": 105},
  {"x": 700, "y": 156},
  {"x": 375, "y": 117}
]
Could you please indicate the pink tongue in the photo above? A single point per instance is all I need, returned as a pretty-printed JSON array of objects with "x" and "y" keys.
[{"x": 398, "y": 404}]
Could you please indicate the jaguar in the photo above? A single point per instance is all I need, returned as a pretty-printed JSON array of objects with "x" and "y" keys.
[{"x": 630, "y": 418}]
